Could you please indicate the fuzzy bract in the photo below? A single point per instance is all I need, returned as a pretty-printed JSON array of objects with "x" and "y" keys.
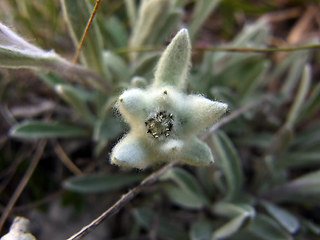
[{"x": 164, "y": 121}]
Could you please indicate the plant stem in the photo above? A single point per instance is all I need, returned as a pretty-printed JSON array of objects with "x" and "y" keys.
[
  {"x": 224, "y": 49},
  {"x": 153, "y": 178},
  {"x": 259, "y": 50},
  {"x": 76, "y": 55},
  {"x": 122, "y": 201}
]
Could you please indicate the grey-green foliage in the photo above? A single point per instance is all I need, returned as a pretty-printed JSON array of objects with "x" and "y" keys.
[
  {"x": 152, "y": 17},
  {"x": 203, "y": 9},
  {"x": 95, "y": 112},
  {"x": 97, "y": 183},
  {"x": 77, "y": 14},
  {"x": 163, "y": 119},
  {"x": 154, "y": 22},
  {"x": 265, "y": 182},
  {"x": 229, "y": 162},
  {"x": 16, "y": 52}
]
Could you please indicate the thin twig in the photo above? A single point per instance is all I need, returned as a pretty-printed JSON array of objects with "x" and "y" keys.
[
  {"x": 34, "y": 162},
  {"x": 153, "y": 178},
  {"x": 224, "y": 49},
  {"x": 76, "y": 55},
  {"x": 122, "y": 201},
  {"x": 260, "y": 50}
]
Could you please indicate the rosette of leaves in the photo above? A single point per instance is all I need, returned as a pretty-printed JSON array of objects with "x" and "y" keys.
[{"x": 265, "y": 181}]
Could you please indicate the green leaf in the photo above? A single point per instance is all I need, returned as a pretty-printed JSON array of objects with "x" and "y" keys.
[
  {"x": 255, "y": 34},
  {"x": 201, "y": 230},
  {"x": 281, "y": 141},
  {"x": 252, "y": 73},
  {"x": 113, "y": 31},
  {"x": 15, "y": 52},
  {"x": 232, "y": 210},
  {"x": 53, "y": 80},
  {"x": 285, "y": 218},
  {"x": 251, "y": 67},
  {"x": 309, "y": 138},
  {"x": 304, "y": 189},
  {"x": 202, "y": 79},
  {"x": 240, "y": 214},
  {"x": 265, "y": 228},
  {"x": 131, "y": 11},
  {"x": 151, "y": 18},
  {"x": 145, "y": 65},
  {"x": 228, "y": 161},
  {"x": 206, "y": 177},
  {"x": 182, "y": 198},
  {"x": 116, "y": 66},
  {"x": 187, "y": 191},
  {"x": 143, "y": 216},
  {"x": 38, "y": 129},
  {"x": 258, "y": 140},
  {"x": 50, "y": 78},
  {"x": 313, "y": 227},
  {"x": 291, "y": 65},
  {"x": 296, "y": 69},
  {"x": 15, "y": 58},
  {"x": 234, "y": 225},
  {"x": 76, "y": 100},
  {"x": 202, "y": 10},
  {"x": 100, "y": 183},
  {"x": 224, "y": 94},
  {"x": 299, "y": 159},
  {"x": 312, "y": 104},
  {"x": 11, "y": 40},
  {"x": 107, "y": 128},
  {"x": 77, "y": 14},
  {"x": 300, "y": 96},
  {"x": 166, "y": 227},
  {"x": 171, "y": 23}
]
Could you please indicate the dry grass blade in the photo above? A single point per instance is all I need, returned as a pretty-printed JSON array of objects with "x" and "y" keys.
[
  {"x": 225, "y": 49},
  {"x": 34, "y": 163},
  {"x": 76, "y": 56},
  {"x": 122, "y": 201}
]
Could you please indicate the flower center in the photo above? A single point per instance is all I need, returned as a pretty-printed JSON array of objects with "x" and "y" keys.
[{"x": 159, "y": 124}]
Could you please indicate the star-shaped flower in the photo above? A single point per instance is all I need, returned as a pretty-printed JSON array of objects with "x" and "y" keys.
[{"x": 164, "y": 121}]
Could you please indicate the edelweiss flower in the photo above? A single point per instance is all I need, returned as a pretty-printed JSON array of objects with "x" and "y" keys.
[{"x": 164, "y": 122}]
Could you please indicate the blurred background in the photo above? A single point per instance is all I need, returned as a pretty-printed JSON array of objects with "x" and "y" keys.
[{"x": 265, "y": 183}]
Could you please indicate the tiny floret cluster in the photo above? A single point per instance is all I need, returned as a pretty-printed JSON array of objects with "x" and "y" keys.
[
  {"x": 164, "y": 121},
  {"x": 159, "y": 124}
]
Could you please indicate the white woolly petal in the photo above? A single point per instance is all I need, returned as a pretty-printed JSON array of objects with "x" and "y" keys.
[
  {"x": 130, "y": 152},
  {"x": 132, "y": 104},
  {"x": 172, "y": 147},
  {"x": 203, "y": 112},
  {"x": 196, "y": 152}
]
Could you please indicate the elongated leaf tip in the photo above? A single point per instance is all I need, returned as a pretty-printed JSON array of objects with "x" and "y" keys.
[
  {"x": 183, "y": 31},
  {"x": 174, "y": 63}
]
